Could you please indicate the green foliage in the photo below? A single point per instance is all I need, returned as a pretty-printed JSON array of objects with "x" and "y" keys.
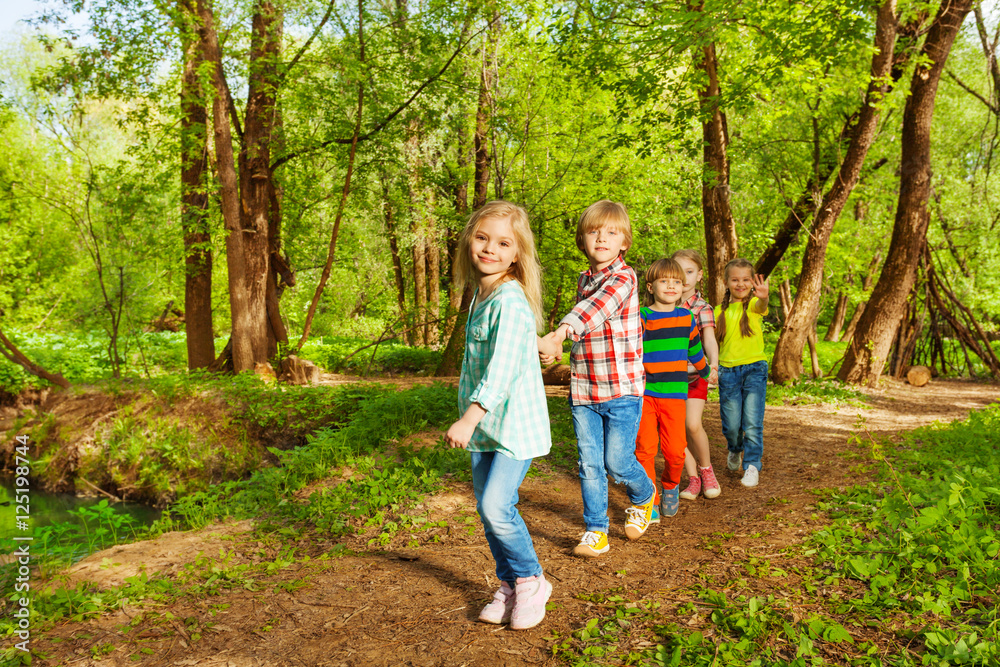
[{"x": 341, "y": 354}]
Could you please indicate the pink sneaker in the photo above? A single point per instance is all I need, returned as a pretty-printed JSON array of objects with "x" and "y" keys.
[
  {"x": 712, "y": 488},
  {"x": 531, "y": 594},
  {"x": 693, "y": 488},
  {"x": 499, "y": 610}
]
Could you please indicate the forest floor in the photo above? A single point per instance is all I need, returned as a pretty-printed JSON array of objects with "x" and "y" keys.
[{"x": 418, "y": 606}]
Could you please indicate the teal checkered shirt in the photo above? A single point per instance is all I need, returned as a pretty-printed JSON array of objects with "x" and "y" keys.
[{"x": 501, "y": 372}]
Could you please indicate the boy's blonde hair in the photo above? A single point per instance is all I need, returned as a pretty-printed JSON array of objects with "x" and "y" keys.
[
  {"x": 526, "y": 269},
  {"x": 661, "y": 268},
  {"x": 600, "y": 214},
  {"x": 720, "y": 328}
]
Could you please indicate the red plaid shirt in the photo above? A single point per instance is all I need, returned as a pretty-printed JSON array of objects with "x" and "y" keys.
[
  {"x": 704, "y": 317},
  {"x": 606, "y": 360}
]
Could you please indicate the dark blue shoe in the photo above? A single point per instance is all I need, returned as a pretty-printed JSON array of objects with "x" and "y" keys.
[{"x": 669, "y": 502}]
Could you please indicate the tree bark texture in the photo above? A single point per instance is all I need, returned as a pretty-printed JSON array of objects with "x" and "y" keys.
[
  {"x": 868, "y": 351},
  {"x": 194, "y": 198},
  {"x": 720, "y": 229},
  {"x": 786, "y": 365},
  {"x": 242, "y": 347}
]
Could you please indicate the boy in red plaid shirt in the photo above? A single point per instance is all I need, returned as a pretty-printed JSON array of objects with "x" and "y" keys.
[{"x": 607, "y": 380}]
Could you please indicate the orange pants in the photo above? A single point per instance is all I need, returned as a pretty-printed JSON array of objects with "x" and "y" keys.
[{"x": 662, "y": 427}]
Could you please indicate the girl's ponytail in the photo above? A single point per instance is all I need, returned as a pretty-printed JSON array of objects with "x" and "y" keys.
[{"x": 720, "y": 325}]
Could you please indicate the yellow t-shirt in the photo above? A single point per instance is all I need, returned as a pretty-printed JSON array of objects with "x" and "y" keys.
[{"x": 734, "y": 349}]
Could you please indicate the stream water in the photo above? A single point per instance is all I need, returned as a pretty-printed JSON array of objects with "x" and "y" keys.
[{"x": 48, "y": 509}]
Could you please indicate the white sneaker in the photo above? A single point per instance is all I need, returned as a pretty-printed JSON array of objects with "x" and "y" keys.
[
  {"x": 750, "y": 477},
  {"x": 734, "y": 461}
]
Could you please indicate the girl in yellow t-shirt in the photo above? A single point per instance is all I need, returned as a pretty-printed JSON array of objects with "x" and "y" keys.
[{"x": 742, "y": 367}]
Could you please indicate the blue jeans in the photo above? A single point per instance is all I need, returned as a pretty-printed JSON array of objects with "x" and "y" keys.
[
  {"x": 495, "y": 480},
  {"x": 605, "y": 439},
  {"x": 742, "y": 390}
]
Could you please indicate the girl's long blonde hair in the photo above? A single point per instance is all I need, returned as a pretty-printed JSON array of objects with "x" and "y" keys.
[
  {"x": 526, "y": 270},
  {"x": 720, "y": 326}
]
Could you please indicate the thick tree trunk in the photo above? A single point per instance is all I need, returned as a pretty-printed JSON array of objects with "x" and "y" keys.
[
  {"x": 720, "y": 229},
  {"x": 867, "y": 353},
  {"x": 786, "y": 365},
  {"x": 256, "y": 180},
  {"x": 248, "y": 323},
  {"x": 194, "y": 198}
]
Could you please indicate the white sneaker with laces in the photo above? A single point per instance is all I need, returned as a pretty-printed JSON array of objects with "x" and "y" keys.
[
  {"x": 734, "y": 461},
  {"x": 750, "y": 477}
]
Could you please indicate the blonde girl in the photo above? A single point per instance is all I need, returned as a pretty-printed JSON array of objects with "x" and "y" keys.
[
  {"x": 743, "y": 367},
  {"x": 505, "y": 421},
  {"x": 697, "y": 459}
]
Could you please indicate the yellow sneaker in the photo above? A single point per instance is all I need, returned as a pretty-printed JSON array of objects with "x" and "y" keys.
[
  {"x": 637, "y": 519},
  {"x": 592, "y": 544}
]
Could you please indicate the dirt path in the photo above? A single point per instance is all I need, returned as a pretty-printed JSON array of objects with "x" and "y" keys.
[{"x": 418, "y": 606}]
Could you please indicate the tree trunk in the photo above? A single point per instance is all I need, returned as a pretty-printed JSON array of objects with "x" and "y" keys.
[
  {"x": 397, "y": 261},
  {"x": 451, "y": 359},
  {"x": 433, "y": 288},
  {"x": 484, "y": 110},
  {"x": 866, "y": 355},
  {"x": 785, "y": 297},
  {"x": 786, "y": 365},
  {"x": 256, "y": 180},
  {"x": 720, "y": 229},
  {"x": 461, "y": 197},
  {"x": 419, "y": 284},
  {"x": 194, "y": 199},
  {"x": 817, "y": 372},
  {"x": 866, "y": 284},
  {"x": 247, "y": 318},
  {"x": 839, "y": 317}
]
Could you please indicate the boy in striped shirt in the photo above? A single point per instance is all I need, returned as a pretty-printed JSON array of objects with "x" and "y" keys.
[
  {"x": 606, "y": 375},
  {"x": 669, "y": 341}
]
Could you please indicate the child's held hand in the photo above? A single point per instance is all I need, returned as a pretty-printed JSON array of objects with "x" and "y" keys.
[
  {"x": 713, "y": 376},
  {"x": 550, "y": 347}
]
